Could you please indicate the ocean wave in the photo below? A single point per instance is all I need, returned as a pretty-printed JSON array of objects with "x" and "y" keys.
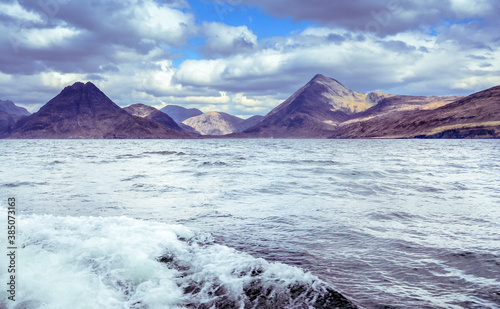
[
  {"x": 23, "y": 183},
  {"x": 216, "y": 163},
  {"x": 87, "y": 262},
  {"x": 164, "y": 153}
]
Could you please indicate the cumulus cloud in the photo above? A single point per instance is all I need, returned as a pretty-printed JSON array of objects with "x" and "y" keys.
[
  {"x": 380, "y": 17},
  {"x": 73, "y": 36},
  {"x": 224, "y": 40}
]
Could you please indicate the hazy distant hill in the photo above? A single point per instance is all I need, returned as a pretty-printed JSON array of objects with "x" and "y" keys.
[
  {"x": 7, "y": 123},
  {"x": 10, "y": 108},
  {"x": 83, "y": 111},
  {"x": 250, "y": 122},
  {"x": 9, "y": 115},
  {"x": 151, "y": 113},
  {"x": 179, "y": 113}
]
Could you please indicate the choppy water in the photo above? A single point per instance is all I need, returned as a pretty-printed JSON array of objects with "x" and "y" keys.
[{"x": 254, "y": 223}]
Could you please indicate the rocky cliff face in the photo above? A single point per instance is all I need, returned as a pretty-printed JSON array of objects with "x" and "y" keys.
[{"x": 83, "y": 111}]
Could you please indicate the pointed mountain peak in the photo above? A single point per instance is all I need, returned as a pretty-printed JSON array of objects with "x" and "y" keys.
[
  {"x": 75, "y": 86},
  {"x": 322, "y": 79},
  {"x": 83, "y": 111},
  {"x": 90, "y": 85},
  {"x": 319, "y": 76},
  {"x": 79, "y": 86},
  {"x": 81, "y": 98}
]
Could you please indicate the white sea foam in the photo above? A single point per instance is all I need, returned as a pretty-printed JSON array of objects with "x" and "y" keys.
[{"x": 88, "y": 262}]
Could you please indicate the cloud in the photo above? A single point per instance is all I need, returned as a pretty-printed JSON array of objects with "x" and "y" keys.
[
  {"x": 47, "y": 38},
  {"x": 224, "y": 40},
  {"x": 13, "y": 11},
  {"x": 379, "y": 17},
  {"x": 71, "y": 36}
]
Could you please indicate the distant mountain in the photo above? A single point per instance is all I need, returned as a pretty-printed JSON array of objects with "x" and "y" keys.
[
  {"x": 7, "y": 123},
  {"x": 83, "y": 111},
  {"x": 151, "y": 113},
  {"x": 475, "y": 116},
  {"x": 314, "y": 110},
  {"x": 10, "y": 108},
  {"x": 9, "y": 115},
  {"x": 179, "y": 113},
  {"x": 250, "y": 122},
  {"x": 215, "y": 123}
]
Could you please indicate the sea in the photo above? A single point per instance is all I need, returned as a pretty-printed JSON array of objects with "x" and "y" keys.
[{"x": 252, "y": 223}]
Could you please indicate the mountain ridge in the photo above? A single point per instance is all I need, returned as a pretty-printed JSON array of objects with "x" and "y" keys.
[{"x": 474, "y": 116}]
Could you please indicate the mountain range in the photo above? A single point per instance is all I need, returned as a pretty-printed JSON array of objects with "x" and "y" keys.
[{"x": 323, "y": 108}]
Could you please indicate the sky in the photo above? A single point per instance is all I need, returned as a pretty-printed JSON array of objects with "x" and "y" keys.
[{"x": 244, "y": 57}]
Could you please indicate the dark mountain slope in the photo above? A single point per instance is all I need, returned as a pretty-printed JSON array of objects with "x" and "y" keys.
[{"x": 83, "y": 111}]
